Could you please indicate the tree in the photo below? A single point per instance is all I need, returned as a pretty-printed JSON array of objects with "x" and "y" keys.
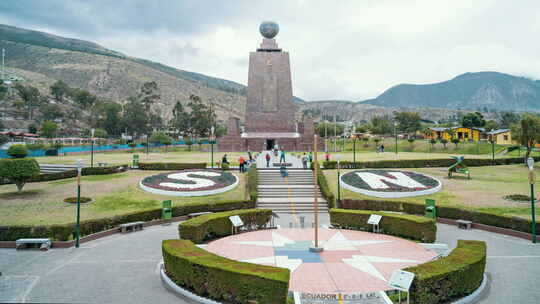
[
  {"x": 382, "y": 125},
  {"x": 111, "y": 121},
  {"x": 3, "y": 90},
  {"x": 30, "y": 96},
  {"x": 48, "y": 129},
  {"x": 149, "y": 94},
  {"x": 181, "y": 119},
  {"x": 3, "y": 139},
  {"x": 361, "y": 129},
  {"x": 17, "y": 151},
  {"x": 473, "y": 120},
  {"x": 59, "y": 89},
  {"x": 160, "y": 138},
  {"x": 202, "y": 116},
  {"x": 408, "y": 122},
  {"x": 444, "y": 141},
  {"x": 135, "y": 118},
  {"x": 19, "y": 170},
  {"x": 84, "y": 98},
  {"x": 491, "y": 125},
  {"x": 32, "y": 128},
  {"x": 330, "y": 127},
  {"x": 527, "y": 132},
  {"x": 508, "y": 119},
  {"x": 188, "y": 143},
  {"x": 51, "y": 111}
]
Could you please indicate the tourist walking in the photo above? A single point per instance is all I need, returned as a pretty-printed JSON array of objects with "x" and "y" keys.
[
  {"x": 304, "y": 160},
  {"x": 224, "y": 161},
  {"x": 250, "y": 157},
  {"x": 310, "y": 158},
  {"x": 283, "y": 171},
  {"x": 282, "y": 156},
  {"x": 327, "y": 156},
  {"x": 382, "y": 148},
  {"x": 268, "y": 157},
  {"x": 242, "y": 163}
]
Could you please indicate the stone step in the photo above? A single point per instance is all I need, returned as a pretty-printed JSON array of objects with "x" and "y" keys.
[
  {"x": 280, "y": 187},
  {"x": 288, "y": 200}
]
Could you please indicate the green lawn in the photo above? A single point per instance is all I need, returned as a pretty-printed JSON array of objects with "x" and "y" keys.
[
  {"x": 42, "y": 203},
  {"x": 484, "y": 192}
]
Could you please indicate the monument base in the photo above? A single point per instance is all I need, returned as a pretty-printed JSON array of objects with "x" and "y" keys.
[{"x": 316, "y": 249}]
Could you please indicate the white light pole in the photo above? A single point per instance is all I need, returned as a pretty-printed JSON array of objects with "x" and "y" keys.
[
  {"x": 3, "y": 66},
  {"x": 78, "y": 226},
  {"x": 212, "y": 129},
  {"x": 530, "y": 164},
  {"x": 92, "y": 131},
  {"x": 338, "y": 158}
]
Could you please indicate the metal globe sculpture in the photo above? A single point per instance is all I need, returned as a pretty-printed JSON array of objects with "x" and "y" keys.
[{"x": 269, "y": 29}]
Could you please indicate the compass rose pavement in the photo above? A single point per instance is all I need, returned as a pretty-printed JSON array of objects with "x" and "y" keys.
[{"x": 352, "y": 261}]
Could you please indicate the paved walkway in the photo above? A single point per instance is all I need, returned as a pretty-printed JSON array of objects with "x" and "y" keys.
[
  {"x": 289, "y": 158},
  {"x": 123, "y": 269}
]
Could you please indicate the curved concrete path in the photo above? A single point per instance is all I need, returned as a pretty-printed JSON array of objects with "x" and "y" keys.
[{"x": 122, "y": 268}]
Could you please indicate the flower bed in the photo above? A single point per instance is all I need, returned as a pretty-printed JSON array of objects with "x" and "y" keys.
[
  {"x": 389, "y": 183},
  {"x": 192, "y": 182}
]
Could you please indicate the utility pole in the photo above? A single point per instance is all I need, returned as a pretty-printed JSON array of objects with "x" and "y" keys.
[
  {"x": 3, "y": 66},
  {"x": 325, "y": 131},
  {"x": 335, "y": 131}
]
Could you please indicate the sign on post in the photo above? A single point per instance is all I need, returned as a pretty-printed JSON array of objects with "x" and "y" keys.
[
  {"x": 236, "y": 221},
  {"x": 401, "y": 280},
  {"x": 374, "y": 220}
]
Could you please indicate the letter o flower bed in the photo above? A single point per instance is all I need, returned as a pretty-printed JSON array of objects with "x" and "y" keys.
[
  {"x": 389, "y": 183},
  {"x": 192, "y": 182}
]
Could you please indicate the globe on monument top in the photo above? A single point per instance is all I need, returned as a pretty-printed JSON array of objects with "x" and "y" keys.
[{"x": 269, "y": 29}]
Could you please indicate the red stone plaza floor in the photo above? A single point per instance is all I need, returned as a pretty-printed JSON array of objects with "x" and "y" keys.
[{"x": 352, "y": 261}]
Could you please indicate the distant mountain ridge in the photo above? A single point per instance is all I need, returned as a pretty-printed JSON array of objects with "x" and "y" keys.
[{"x": 469, "y": 91}]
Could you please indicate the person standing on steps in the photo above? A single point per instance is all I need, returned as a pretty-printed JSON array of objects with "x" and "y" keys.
[
  {"x": 250, "y": 157},
  {"x": 304, "y": 160},
  {"x": 282, "y": 156},
  {"x": 327, "y": 156},
  {"x": 268, "y": 157},
  {"x": 310, "y": 158},
  {"x": 242, "y": 162}
]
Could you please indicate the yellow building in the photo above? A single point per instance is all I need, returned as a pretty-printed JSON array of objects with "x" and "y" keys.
[
  {"x": 501, "y": 137},
  {"x": 461, "y": 133}
]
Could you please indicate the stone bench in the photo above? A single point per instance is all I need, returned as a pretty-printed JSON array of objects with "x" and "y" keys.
[
  {"x": 464, "y": 224},
  {"x": 44, "y": 244},
  {"x": 134, "y": 226},
  {"x": 195, "y": 214}
]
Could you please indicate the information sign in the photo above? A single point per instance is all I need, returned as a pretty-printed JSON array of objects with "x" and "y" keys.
[
  {"x": 236, "y": 221},
  {"x": 374, "y": 219},
  {"x": 401, "y": 280}
]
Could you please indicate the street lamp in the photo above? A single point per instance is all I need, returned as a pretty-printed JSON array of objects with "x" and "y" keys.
[
  {"x": 78, "y": 225},
  {"x": 92, "y": 151},
  {"x": 338, "y": 158},
  {"x": 147, "y": 139},
  {"x": 354, "y": 149},
  {"x": 493, "y": 150},
  {"x": 395, "y": 132},
  {"x": 530, "y": 164},
  {"x": 212, "y": 129}
]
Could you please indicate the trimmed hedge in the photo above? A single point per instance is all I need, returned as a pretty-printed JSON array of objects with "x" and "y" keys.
[
  {"x": 73, "y": 173},
  {"x": 514, "y": 223},
  {"x": 325, "y": 189},
  {"x": 252, "y": 189},
  {"x": 64, "y": 232},
  {"x": 421, "y": 163},
  {"x": 211, "y": 226},
  {"x": 403, "y": 225},
  {"x": 451, "y": 277},
  {"x": 222, "y": 279},
  {"x": 171, "y": 166}
]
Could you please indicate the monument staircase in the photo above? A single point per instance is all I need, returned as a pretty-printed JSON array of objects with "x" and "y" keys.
[{"x": 291, "y": 194}]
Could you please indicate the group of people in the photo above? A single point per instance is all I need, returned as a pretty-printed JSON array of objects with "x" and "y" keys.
[
  {"x": 277, "y": 152},
  {"x": 243, "y": 164}
]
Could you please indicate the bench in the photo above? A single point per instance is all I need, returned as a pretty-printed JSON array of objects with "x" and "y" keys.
[
  {"x": 44, "y": 244},
  {"x": 463, "y": 224},
  {"x": 134, "y": 226},
  {"x": 192, "y": 215}
]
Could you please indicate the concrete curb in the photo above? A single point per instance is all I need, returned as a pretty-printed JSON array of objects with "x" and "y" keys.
[
  {"x": 473, "y": 297},
  {"x": 189, "y": 193},
  {"x": 179, "y": 291}
]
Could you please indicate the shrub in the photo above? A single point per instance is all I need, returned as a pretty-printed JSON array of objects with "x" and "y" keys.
[
  {"x": 104, "y": 170},
  {"x": 64, "y": 232},
  {"x": 216, "y": 225},
  {"x": 403, "y": 225},
  {"x": 222, "y": 279},
  {"x": 19, "y": 170},
  {"x": 451, "y": 277},
  {"x": 252, "y": 182},
  {"x": 17, "y": 151},
  {"x": 325, "y": 189},
  {"x": 171, "y": 166},
  {"x": 36, "y": 146}
]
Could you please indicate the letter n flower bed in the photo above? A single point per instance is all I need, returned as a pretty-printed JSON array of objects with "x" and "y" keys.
[
  {"x": 193, "y": 182},
  {"x": 389, "y": 183}
]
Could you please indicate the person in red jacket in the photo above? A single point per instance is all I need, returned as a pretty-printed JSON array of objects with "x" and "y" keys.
[
  {"x": 268, "y": 157},
  {"x": 242, "y": 162}
]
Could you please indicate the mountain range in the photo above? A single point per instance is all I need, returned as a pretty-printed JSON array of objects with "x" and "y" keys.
[{"x": 43, "y": 58}]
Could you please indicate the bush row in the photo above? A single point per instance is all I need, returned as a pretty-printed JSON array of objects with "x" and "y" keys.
[
  {"x": 325, "y": 189},
  {"x": 221, "y": 279},
  {"x": 64, "y": 232},
  {"x": 252, "y": 182},
  {"x": 451, "y": 277},
  {"x": 211, "y": 226},
  {"x": 171, "y": 166},
  {"x": 403, "y": 225},
  {"x": 421, "y": 163},
  {"x": 45, "y": 177},
  {"x": 454, "y": 213}
]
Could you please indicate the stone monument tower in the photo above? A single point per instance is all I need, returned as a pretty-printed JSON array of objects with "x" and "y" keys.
[{"x": 270, "y": 111}]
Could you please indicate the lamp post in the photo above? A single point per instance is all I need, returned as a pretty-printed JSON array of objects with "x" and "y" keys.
[
  {"x": 92, "y": 149},
  {"x": 354, "y": 149},
  {"x": 492, "y": 151},
  {"x": 530, "y": 164},
  {"x": 338, "y": 158},
  {"x": 212, "y": 129},
  {"x": 147, "y": 139},
  {"x": 78, "y": 225},
  {"x": 395, "y": 132}
]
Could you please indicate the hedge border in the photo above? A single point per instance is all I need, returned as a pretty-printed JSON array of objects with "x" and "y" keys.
[
  {"x": 212, "y": 226},
  {"x": 46, "y": 177},
  {"x": 222, "y": 279},
  {"x": 64, "y": 232},
  {"x": 325, "y": 189},
  {"x": 514, "y": 223},
  {"x": 403, "y": 225},
  {"x": 422, "y": 163},
  {"x": 171, "y": 166},
  {"x": 252, "y": 183},
  {"x": 454, "y": 276}
]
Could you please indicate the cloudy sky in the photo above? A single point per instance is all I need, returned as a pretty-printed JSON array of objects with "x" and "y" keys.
[{"x": 350, "y": 50}]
